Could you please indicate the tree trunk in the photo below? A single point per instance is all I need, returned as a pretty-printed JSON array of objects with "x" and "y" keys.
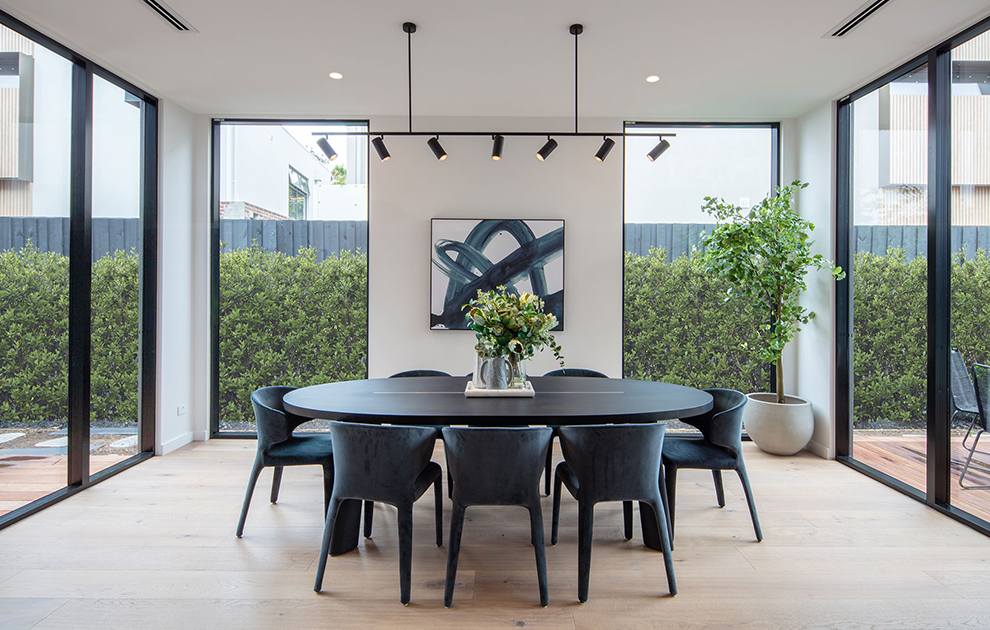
[{"x": 780, "y": 380}]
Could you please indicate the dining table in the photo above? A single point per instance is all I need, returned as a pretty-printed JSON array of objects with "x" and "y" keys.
[{"x": 441, "y": 400}]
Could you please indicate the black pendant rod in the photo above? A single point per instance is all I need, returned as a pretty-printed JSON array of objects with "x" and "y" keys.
[
  {"x": 489, "y": 134},
  {"x": 409, "y": 28},
  {"x": 576, "y": 29}
]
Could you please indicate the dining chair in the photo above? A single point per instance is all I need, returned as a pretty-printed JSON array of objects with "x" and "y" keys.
[
  {"x": 387, "y": 464},
  {"x": 278, "y": 447},
  {"x": 496, "y": 466},
  {"x": 719, "y": 448},
  {"x": 437, "y": 427},
  {"x": 964, "y": 405},
  {"x": 981, "y": 382},
  {"x": 618, "y": 462},
  {"x": 548, "y": 476}
]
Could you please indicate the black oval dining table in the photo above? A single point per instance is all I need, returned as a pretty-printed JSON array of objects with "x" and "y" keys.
[{"x": 436, "y": 400}]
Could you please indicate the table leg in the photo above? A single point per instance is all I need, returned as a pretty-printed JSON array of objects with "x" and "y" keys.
[{"x": 347, "y": 530}]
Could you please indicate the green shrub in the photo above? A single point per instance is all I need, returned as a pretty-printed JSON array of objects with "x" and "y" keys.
[
  {"x": 680, "y": 328},
  {"x": 114, "y": 334}
]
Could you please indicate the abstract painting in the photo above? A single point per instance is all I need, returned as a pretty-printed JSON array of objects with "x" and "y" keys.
[{"x": 524, "y": 255}]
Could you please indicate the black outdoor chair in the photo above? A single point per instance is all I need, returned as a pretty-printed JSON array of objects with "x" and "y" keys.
[
  {"x": 277, "y": 447},
  {"x": 387, "y": 464},
  {"x": 612, "y": 463},
  {"x": 719, "y": 448},
  {"x": 563, "y": 372},
  {"x": 496, "y": 467},
  {"x": 981, "y": 380},
  {"x": 964, "y": 406}
]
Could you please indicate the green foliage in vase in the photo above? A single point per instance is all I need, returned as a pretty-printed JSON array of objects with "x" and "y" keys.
[
  {"x": 764, "y": 254},
  {"x": 510, "y": 325}
]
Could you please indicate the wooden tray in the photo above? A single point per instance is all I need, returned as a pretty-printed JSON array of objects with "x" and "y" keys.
[{"x": 526, "y": 391}]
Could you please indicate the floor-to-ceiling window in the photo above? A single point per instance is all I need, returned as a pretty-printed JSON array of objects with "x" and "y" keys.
[
  {"x": 78, "y": 232},
  {"x": 913, "y": 193},
  {"x": 678, "y": 327},
  {"x": 290, "y": 223}
]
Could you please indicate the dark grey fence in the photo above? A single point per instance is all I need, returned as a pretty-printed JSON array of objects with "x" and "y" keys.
[{"x": 51, "y": 234}]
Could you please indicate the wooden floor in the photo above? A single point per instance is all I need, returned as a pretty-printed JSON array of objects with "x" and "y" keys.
[
  {"x": 906, "y": 459},
  {"x": 27, "y": 478},
  {"x": 154, "y": 548}
]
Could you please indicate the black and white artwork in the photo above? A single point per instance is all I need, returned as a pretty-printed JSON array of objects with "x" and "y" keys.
[{"x": 524, "y": 255}]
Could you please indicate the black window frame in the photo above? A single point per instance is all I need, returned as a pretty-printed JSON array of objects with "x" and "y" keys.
[
  {"x": 937, "y": 494},
  {"x": 80, "y": 273}
]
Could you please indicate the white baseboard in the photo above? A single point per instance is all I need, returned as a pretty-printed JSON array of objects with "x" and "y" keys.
[
  {"x": 820, "y": 450},
  {"x": 177, "y": 442},
  {"x": 201, "y": 436}
]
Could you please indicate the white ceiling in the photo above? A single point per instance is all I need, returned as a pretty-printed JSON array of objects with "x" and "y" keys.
[{"x": 717, "y": 59}]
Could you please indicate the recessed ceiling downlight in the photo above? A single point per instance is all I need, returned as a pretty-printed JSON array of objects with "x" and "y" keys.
[
  {"x": 652, "y": 78},
  {"x": 336, "y": 75}
]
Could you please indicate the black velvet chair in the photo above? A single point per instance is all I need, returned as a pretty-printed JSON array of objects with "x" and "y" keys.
[
  {"x": 564, "y": 372},
  {"x": 438, "y": 427},
  {"x": 277, "y": 446},
  {"x": 612, "y": 463},
  {"x": 387, "y": 464},
  {"x": 496, "y": 467},
  {"x": 719, "y": 448}
]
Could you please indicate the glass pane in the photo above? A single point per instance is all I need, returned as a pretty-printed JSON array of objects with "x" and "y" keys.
[
  {"x": 117, "y": 199},
  {"x": 293, "y": 262},
  {"x": 35, "y": 114},
  {"x": 678, "y": 327},
  {"x": 971, "y": 268},
  {"x": 890, "y": 290}
]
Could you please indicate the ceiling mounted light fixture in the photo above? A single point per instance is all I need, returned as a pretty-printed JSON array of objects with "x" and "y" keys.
[
  {"x": 546, "y": 150},
  {"x": 497, "y": 141},
  {"x": 658, "y": 150},
  {"x": 379, "y": 144},
  {"x": 652, "y": 78},
  {"x": 326, "y": 148},
  {"x": 438, "y": 151},
  {"x": 607, "y": 145},
  {"x": 336, "y": 75}
]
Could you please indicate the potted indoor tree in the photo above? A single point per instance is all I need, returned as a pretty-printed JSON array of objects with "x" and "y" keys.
[{"x": 764, "y": 254}]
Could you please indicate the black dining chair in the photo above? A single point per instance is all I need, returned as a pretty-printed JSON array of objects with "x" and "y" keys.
[
  {"x": 612, "y": 463},
  {"x": 719, "y": 448},
  {"x": 494, "y": 466},
  {"x": 387, "y": 464},
  {"x": 415, "y": 373},
  {"x": 548, "y": 476}
]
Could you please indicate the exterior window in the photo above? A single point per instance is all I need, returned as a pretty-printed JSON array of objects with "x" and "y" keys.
[{"x": 298, "y": 195}]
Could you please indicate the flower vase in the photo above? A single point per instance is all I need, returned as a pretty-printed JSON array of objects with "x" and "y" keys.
[{"x": 518, "y": 372}]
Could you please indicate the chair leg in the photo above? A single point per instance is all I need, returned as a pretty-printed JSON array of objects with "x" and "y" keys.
[
  {"x": 555, "y": 519},
  {"x": 252, "y": 482},
  {"x": 325, "y": 547},
  {"x": 450, "y": 486},
  {"x": 969, "y": 460},
  {"x": 670, "y": 481},
  {"x": 438, "y": 507},
  {"x": 327, "y": 488},
  {"x": 744, "y": 478},
  {"x": 453, "y": 551},
  {"x": 369, "y": 517},
  {"x": 405, "y": 552},
  {"x": 586, "y": 528},
  {"x": 666, "y": 506},
  {"x": 536, "y": 529},
  {"x": 627, "y": 519},
  {"x": 719, "y": 491},
  {"x": 276, "y": 482},
  {"x": 668, "y": 559},
  {"x": 548, "y": 469}
]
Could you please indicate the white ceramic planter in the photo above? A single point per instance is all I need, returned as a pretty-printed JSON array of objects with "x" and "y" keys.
[{"x": 778, "y": 429}]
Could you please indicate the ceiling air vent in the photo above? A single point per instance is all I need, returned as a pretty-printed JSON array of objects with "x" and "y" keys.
[
  {"x": 168, "y": 14},
  {"x": 855, "y": 19}
]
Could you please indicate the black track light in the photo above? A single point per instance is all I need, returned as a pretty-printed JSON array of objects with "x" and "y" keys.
[
  {"x": 379, "y": 144},
  {"x": 438, "y": 151},
  {"x": 658, "y": 150},
  {"x": 605, "y": 148},
  {"x": 547, "y": 149},
  {"x": 497, "y": 142},
  {"x": 326, "y": 148}
]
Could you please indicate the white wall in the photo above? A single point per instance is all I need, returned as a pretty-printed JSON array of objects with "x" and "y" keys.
[
  {"x": 809, "y": 369},
  {"x": 413, "y": 187}
]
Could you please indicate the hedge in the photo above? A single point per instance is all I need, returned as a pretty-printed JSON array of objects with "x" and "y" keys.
[{"x": 293, "y": 320}]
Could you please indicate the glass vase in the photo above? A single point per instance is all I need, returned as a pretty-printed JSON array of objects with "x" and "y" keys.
[{"x": 518, "y": 372}]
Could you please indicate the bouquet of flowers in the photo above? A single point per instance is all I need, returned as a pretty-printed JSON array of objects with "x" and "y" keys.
[{"x": 511, "y": 326}]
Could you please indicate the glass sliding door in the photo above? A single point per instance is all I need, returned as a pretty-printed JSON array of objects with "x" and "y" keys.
[
  {"x": 889, "y": 188},
  {"x": 677, "y": 326},
  {"x": 291, "y": 255},
  {"x": 970, "y": 316}
]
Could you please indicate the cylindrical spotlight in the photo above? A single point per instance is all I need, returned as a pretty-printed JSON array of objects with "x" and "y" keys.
[
  {"x": 326, "y": 148},
  {"x": 605, "y": 148},
  {"x": 547, "y": 149},
  {"x": 658, "y": 150},
  {"x": 438, "y": 151},
  {"x": 497, "y": 142},
  {"x": 379, "y": 145}
]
